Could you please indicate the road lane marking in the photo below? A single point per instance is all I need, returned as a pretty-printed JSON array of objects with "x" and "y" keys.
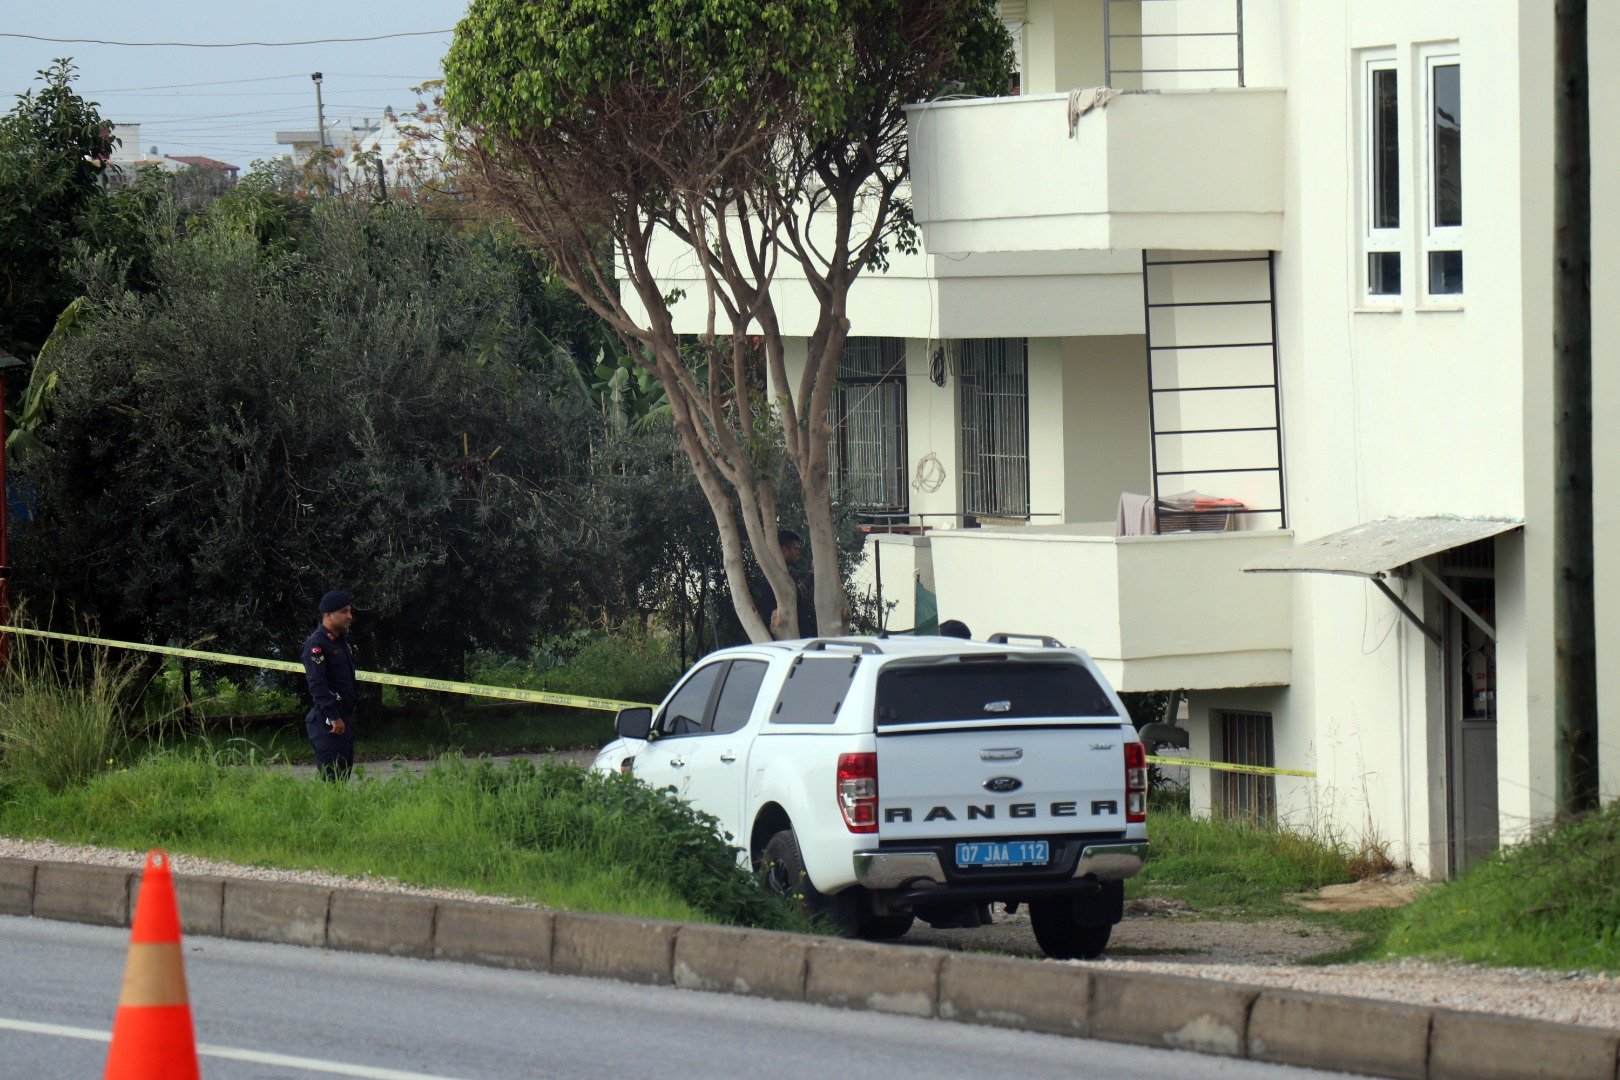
[{"x": 230, "y": 1053}]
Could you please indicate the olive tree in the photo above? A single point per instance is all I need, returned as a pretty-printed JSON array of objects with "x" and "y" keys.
[
  {"x": 622, "y": 134},
  {"x": 360, "y": 398}
]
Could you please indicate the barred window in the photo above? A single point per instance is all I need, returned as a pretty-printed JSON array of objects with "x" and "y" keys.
[
  {"x": 869, "y": 426},
  {"x": 1246, "y": 739},
  {"x": 993, "y": 389}
]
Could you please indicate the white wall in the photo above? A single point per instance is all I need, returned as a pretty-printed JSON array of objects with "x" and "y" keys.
[
  {"x": 1604, "y": 33},
  {"x": 1422, "y": 409},
  {"x": 1106, "y": 405}
]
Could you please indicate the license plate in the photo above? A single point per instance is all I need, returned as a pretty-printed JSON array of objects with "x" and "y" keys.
[{"x": 1004, "y": 853}]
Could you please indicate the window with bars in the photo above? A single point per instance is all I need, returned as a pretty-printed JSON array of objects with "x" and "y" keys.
[
  {"x": 869, "y": 426},
  {"x": 1245, "y": 739},
  {"x": 992, "y": 381}
]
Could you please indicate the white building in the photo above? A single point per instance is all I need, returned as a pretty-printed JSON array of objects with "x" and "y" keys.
[{"x": 1250, "y": 282}]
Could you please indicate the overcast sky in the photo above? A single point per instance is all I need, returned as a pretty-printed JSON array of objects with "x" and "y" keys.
[{"x": 233, "y": 120}]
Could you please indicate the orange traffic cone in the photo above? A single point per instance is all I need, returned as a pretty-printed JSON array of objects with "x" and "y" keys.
[{"x": 152, "y": 1035}]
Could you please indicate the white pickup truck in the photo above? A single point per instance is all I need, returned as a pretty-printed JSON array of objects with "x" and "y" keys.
[{"x": 882, "y": 780}]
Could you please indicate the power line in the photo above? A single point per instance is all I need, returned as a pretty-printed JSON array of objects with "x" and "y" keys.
[
  {"x": 261, "y": 78},
  {"x": 222, "y": 44},
  {"x": 264, "y": 93}
]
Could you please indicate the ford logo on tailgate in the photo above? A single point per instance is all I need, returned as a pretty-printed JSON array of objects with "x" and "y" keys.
[{"x": 1003, "y": 784}]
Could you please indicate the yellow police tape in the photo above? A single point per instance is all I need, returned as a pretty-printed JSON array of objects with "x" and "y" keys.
[
  {"x": 1227, "y": 766},
  {"x": 504, "y": 693}
]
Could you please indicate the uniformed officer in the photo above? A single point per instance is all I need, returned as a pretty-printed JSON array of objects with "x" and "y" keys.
[{"x": 329, "y": 667}]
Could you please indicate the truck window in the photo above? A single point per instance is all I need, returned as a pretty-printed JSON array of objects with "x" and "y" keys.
[
  {"x": 1010, "y": 690},
  {"x": 814, "y": 690},
  {"x": 685, "y": 712},
  {"x": 737, "y": 696}
]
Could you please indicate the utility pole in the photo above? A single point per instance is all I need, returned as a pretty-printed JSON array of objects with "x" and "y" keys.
[
  {"x": 1574, "y": 619},
  {"x": 7, "y": 361},
  {"x": 320, "y": 124}
]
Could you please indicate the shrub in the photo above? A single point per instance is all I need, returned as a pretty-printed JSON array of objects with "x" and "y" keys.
[{"x": 626, "y": 666}]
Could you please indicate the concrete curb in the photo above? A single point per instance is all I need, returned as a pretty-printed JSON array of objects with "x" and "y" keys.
[{"x": 1321, "y": 1031}]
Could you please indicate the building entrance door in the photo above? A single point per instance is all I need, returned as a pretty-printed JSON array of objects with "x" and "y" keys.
[{"x": 1470, "y": 656}]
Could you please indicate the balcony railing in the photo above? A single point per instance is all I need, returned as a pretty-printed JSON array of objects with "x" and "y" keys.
[{"x": 1173, "y": 44}]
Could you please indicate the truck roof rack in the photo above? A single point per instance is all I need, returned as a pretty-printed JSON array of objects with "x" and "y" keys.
[
  {"x": 1004, "y": 638},
  {"x": 867, "y": 648}
]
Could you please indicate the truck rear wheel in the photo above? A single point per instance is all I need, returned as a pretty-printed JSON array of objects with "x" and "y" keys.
[
  {"x": 1061, "y": 932},
  {"x": 887, "y": 927},
  {"x": 786, "y": 876}
]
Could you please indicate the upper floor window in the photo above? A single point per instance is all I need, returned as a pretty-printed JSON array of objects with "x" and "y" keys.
[
  {"x": 993, "y": 396},
  {"x": 1014, "y": 16},
  {"x": 1442, "y": 234},
  {"x": 1381, "y": 241},
  {"x": 869, "y": 426}
]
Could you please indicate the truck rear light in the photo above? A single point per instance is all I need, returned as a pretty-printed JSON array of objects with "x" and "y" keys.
[
  {"x": 1136, "y": 783},
  {"x": 858, "y": 791}
]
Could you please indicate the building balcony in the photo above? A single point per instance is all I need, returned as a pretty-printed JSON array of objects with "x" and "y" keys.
[
  {"x": 1189, "y": 170},
  {"x": 1170, "y": 612}
]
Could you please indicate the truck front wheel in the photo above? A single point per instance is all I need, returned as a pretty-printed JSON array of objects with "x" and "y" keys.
[{"x": 785, "y": 875}]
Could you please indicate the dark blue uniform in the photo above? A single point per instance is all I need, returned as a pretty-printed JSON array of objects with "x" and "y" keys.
[{"x": 329, "y": 667}]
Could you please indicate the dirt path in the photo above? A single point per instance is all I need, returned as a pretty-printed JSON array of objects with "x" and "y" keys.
[{"x": 1150, "y": 932}]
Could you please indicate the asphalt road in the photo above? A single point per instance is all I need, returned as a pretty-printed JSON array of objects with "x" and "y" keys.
[{"x": 270, "y": 1011}]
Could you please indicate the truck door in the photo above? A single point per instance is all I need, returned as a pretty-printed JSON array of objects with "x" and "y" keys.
[
  {"x": 664, "y": 762},
  {"x": 717, "y": 764}
]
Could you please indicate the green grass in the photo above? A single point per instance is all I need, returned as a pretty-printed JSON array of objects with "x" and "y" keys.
[
  {"x": 1230, "y": 869},
  {"x": 63, "y": 715},
  {"x": 1552, "y": 902},
  {"x": 428, "y": 734},
  {"x": 552, "y": 834}
]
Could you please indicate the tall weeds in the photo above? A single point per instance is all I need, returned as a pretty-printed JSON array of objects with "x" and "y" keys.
[{"x": 64, "y": 713}]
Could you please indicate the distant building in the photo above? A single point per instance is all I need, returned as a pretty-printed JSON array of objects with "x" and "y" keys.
[{"x": 128, "y": 159}]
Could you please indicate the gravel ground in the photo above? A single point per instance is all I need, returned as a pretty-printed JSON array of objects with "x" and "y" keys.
[{"x": 1152, "y": 938}]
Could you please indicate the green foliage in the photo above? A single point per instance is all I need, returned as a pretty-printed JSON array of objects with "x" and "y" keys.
[
  {"x": 554, "y": 834},
  {"x": 625, "y": 666},
  {"x": 365, "y": 400},
  {"x": 1553, "y": 901},
  {"x": 516, "y": 65},
  {"x": 52, "y": 145},
  {"x": 1230, "y": 867},
  {"x": 64, "y": 714}
]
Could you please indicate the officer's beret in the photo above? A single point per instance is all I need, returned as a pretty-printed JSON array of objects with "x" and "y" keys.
[{"x": 336, "y": 600}]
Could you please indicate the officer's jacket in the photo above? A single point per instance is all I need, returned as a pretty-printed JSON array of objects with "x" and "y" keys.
[{"x": 329, "y": 667}]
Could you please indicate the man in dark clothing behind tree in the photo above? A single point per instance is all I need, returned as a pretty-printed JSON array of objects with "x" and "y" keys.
[
  {"x": 329, "y": 667},
  {"x": 765, "y": 597}
]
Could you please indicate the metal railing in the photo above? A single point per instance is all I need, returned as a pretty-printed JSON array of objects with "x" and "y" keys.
[
  {"x": 1135, "y": 45},
  {"x": 1164, "y": 390}
]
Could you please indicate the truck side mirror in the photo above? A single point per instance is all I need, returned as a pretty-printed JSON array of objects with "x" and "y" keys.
[{"x": 634, "y": 722}]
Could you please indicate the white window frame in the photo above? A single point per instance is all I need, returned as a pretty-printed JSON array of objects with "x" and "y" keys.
[
  {"x": 1434, "y": 237},
  {"x": 1014, "y": 16},
  {"x": 1377, "y": 240}
]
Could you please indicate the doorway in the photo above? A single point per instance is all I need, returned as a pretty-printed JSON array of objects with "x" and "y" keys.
[{"x": 1470, "y": 709}]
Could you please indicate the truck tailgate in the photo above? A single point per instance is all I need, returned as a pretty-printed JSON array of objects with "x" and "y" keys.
[
  {"x": 1035, "y": 782},
  {"x": 997, "y": 746}
]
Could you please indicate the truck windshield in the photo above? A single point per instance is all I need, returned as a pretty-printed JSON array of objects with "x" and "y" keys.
[{"x": 982, "y": 690}]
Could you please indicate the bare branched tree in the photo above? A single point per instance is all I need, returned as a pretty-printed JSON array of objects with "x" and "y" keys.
[{"x": 733, "y": 136}]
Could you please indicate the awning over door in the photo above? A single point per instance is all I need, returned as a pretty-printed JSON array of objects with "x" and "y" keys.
[
  {"x": 1377, "y": 547},
  {"x": 1374, "y": 548}
]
